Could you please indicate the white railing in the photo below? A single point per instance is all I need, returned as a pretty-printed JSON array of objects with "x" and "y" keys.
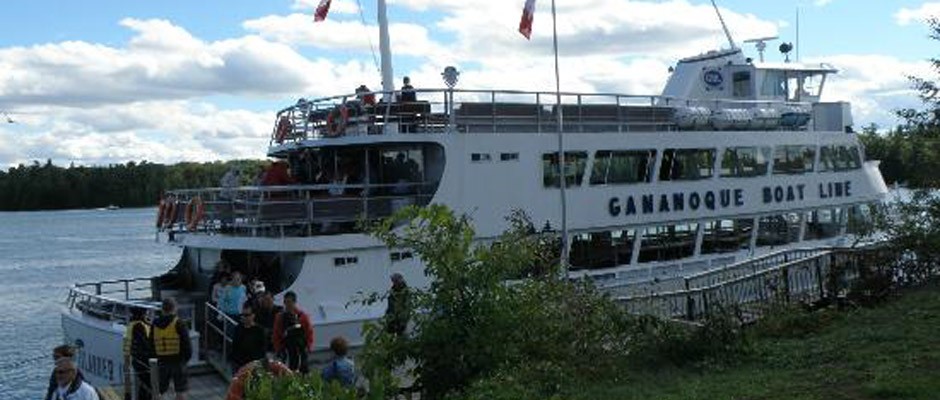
[
  {"x": 490, "y": 111},
  {"x": 113, "y": 300},
  {"x": 295, "y": 210}
]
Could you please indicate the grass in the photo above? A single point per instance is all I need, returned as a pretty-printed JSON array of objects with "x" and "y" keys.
[{"x": 891, "y": 351}]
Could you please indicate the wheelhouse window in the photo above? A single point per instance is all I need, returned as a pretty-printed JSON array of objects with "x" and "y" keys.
[
  {"x": 622, "y": 167},
  {"x": 669, "y": 242},
  {"x": 727, "y": 235},
  {"x": 823, "y": 224},
  {"x": 859, "y": 219},
  {"x": 575, "y": 165},
  {"x": 743, "y": 162},
  {"x": 839, "y": 158},
  {"x": 777, "y": 230},
  {"x": 794, "y": 159},
  {"x": 741, "y": 84},
  {"x": 687, "y": 164}
]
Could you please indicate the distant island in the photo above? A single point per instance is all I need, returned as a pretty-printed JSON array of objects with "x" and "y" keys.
[{"x": 45, "y": 186}]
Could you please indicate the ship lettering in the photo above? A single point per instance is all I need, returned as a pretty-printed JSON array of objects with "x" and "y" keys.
[
  {"x": 711, "y": 200},
  {"x": 781, "y": 194},
  {"x": 835, "y": 189}
]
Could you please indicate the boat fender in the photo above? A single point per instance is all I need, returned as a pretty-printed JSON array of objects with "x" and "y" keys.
[
  {"x": 169, "y": 217},
  {"x": 195, "y": 210},
  {"x": 284, "y": 127},
  {"x": 161, "y": 212},
  {"x": 337, "y": 120}
]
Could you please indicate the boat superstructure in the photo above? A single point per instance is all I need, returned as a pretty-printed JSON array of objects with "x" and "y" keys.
[{"x": 734, "y": 160}]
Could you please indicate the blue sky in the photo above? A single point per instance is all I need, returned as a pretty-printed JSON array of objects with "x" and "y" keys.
[{"x": 200, "y": 80}]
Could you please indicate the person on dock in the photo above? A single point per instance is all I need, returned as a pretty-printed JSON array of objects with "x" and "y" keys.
[
  {"x": 340, "y": 368},
  {"x": 58, "y": 353},
  {"x": 293, "y": 334},
  {"x": 69, "y": 385},
  {"x": 172, "y": 348},
  {"x": 265, "y": 315},
  {"x": 398, "y": 311},
  {"x": 138, "y": 348},
  {"x": 249, "y": 343}
]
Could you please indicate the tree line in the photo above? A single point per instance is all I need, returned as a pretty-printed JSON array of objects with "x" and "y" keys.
[{"x": 47, "y": 186}]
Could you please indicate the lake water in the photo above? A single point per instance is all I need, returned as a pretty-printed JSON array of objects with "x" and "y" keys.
[{"x": 41, "y": 255}]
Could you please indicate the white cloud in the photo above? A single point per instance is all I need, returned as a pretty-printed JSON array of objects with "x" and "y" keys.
[
  {"x": 821, "y": 3},
  {"x": 928, "y": 10}
]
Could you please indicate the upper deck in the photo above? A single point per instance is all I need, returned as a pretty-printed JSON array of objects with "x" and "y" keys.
[{"x": 308, "y": 122}]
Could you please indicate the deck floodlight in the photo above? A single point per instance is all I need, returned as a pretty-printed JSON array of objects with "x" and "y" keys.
[{"x": 451, "y": 76}]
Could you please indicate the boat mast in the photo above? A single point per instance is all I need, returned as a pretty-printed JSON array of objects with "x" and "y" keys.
[
  {"x": 388, "y": 83},
  {"x": 724, "y": 26},
  {"x": 562, "y": 168}
]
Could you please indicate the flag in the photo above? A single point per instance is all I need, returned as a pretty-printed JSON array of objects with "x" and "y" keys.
[
  {"x": 322, "y": 9},
  {"x": 525, "y": 24}
]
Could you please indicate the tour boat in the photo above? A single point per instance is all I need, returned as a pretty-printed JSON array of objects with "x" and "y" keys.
[{"x": 736, "y": 158}]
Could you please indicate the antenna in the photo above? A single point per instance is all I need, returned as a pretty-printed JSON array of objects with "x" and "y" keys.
[
  {"x": 761, "y": 44},
  {"x": 797, "y": 33},
  {"x": 725, "y": 27}
]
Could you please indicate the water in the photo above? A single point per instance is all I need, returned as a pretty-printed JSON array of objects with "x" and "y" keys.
[{"x": 41, "y": 255}]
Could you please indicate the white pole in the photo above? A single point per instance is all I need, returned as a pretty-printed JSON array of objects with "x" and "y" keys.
[
  {"x": 561, "y": 148},
  {"x": 388, "y": 83}
]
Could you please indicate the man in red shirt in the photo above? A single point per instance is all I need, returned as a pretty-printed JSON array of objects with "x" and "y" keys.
[{"x": 293, "y": 334}]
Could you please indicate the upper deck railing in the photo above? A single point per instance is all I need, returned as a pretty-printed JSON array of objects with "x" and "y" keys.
[
  {"x": 500, "y": 111},
  {"x": 293, "y": 210}
]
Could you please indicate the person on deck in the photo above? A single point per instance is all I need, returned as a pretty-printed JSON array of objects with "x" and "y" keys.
[
  {"x": 265, "y": 314},
  {"x": 172, "y": 348},
  {"x": 138, "y": 348},
  {"x": 293, "y": 334},
  {"x": 408, "y": 94},
  {"x": 365, "y": 95}
]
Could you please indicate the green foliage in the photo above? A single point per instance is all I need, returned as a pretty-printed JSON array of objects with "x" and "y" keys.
[
  {"x": 792, "y": 321},
  {"x": 484, "y": 333},
  {"x": 49, "y": 187},
  {"x": 264, "y": 386}
]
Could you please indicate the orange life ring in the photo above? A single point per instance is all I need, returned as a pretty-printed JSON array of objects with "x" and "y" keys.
[
  {"x": 284, "y": 128},
  {"x": 336, "y": 127},
  {"x": 161, "y": 210},
  {"x": 169, "y": 215},
  {"x": 195, "y": 210}
]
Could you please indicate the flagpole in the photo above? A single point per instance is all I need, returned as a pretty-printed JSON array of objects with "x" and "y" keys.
[
  {"x": 388, "y": 84},
  {"x": 562, "y": 168}
]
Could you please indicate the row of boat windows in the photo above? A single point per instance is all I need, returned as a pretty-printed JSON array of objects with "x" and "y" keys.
[
  {"x": 607, "y": 249},
  {"x": 613, "y": 167}
]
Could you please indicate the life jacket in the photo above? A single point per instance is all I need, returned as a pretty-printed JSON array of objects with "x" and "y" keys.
[
  {"x": 129, "y": 335},
  {"x": 166, "y": 340}
]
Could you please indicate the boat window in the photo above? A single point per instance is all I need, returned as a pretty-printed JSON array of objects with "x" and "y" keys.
[
  {"x": 687, "y": 164},
  {"x": 812, "y": 86},
  {"x": 664, "y": 243},
  {"x": 738, "y": 162},
  {"x": 480, "y": 157},
  {"x": 727, "y": 235},
  {"x": 774, "y": 84},
  {"x": 859, "y": 219},
  {"x": 823, "y": 224},
  {"x": 401, "y": 165},
  {"x": 795, "y": 159},
  {"x": 776, "y": 230},
  {"x": 839, "y": 158},
  {"x": 622, "y": 167},
  {"x": 575, "y": 163},
  {"x": 592, "y": 251},
  {"x": 741, "y": 84},
  {"x": 508, "y": 156}
]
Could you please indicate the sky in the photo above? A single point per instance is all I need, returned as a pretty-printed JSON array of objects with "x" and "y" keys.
[{"x": 95, "y": 82}]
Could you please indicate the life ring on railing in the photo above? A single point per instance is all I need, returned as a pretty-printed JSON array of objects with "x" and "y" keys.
[
  {"x": 337, "y": 120},
  {"x": 284, "y": 128},
  {"x": 195, "y": 210},
  {"x": 169, "y": 213}
]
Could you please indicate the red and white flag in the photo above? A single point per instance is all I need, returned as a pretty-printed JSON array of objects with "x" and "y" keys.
[
  {"x": 525, "y": 24},
  {"x": 322, "y": 9}
]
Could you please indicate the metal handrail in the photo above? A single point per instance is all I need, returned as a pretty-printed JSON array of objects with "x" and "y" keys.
[
  {"x": 212, "y": 313},
  {"x": 309, "y": 118}
]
